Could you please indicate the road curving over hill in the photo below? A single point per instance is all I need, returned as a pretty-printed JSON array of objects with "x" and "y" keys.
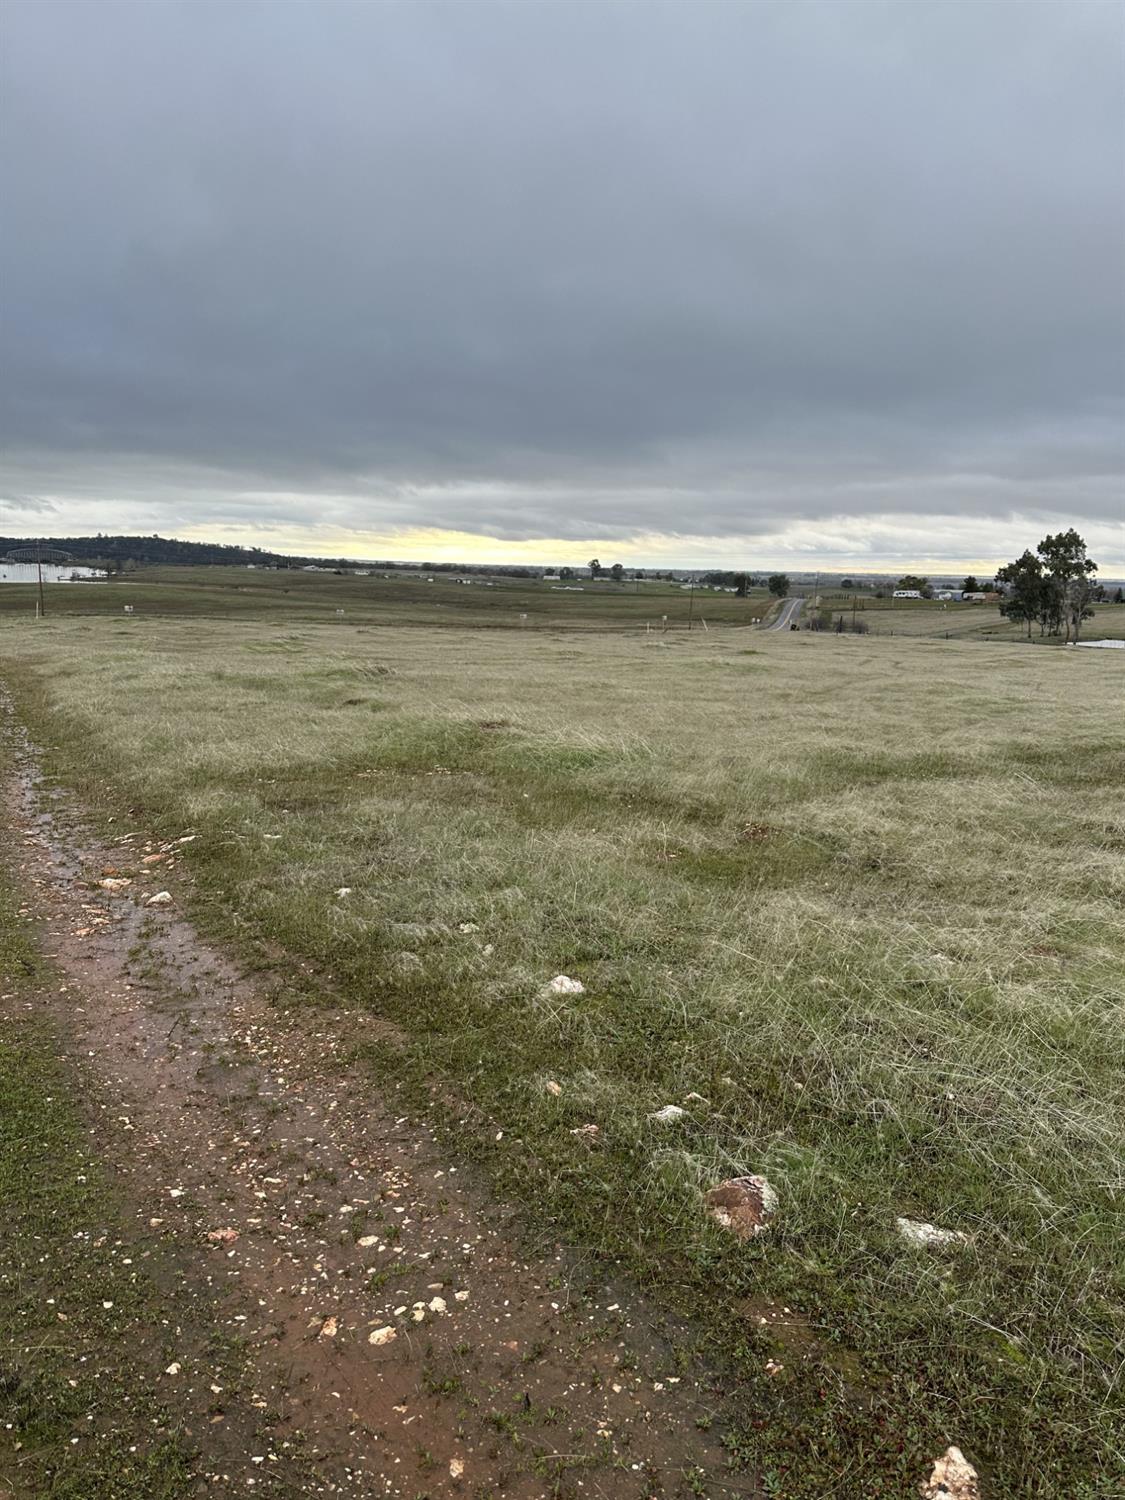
[{"x": 787, "y": 615}]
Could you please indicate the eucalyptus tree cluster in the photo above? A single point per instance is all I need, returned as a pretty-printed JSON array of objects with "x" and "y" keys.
[{"x": 1054, "y": 586}]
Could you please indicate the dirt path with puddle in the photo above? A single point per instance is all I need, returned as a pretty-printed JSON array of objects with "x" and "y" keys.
[{"x": 398, "y": 1343}]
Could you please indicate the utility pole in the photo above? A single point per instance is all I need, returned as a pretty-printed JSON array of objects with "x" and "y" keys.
[{"x": 691, "y": 604}]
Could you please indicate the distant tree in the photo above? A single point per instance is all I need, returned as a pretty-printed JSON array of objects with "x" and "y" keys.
[
  {"x": 1026, "y": 594},
  {"x": 1052, "y": 606},
  {"x": 741, "y": 584},
  {"x": 1064, "y": 557},
  {"x": 565, "y": 573},
  {"x": 778, "y": 585},
  {"x": 1119, "y": 597},
  {"x": 846, "y": 583},
  {"x": 912, "y": 581},
  {"x": 595, "y": 567},
  {"x": 617, "y": 572},
  {"x": 970, "y": 585}
]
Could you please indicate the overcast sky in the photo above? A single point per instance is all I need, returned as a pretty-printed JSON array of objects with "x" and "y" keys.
[{"x": 790, "y": 283}]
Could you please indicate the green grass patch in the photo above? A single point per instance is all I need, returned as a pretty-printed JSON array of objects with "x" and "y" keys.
[{"x": 866, "y": 907}]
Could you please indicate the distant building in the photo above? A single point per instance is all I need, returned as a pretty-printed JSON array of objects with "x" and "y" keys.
[
  {"x": 28, "y": 572},
  {"x": 907, "y": 594}
]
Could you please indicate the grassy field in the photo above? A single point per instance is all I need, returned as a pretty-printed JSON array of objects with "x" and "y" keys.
[
  {"x": 958, "y": 621},
  {"x": 855, "y": 904},
  {"x": 397, "y": 599},
  {"x": 498, "y": 603}
]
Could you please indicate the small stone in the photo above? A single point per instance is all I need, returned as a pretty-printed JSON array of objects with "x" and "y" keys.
[
  {"x": 929, "y": 1236},
  {"x": 385, "y": 1335},
  {"x": 953, "y": 1478},
  {"x": 563, "y": 985},
  {"x": 456, "y": 1468},
  {"x": 744, "y": 1205},
  {"x": 668, "y": 1114},
  {"x": 437, "y": 1304},
  {"x": 173, "y": 1368},
  {"x": 467, "y": 927},
  {"x": 329, "y": 1328},
  {"x": 345, "y": 890},
  {"x": 553, "y": 1088},
  {"x": 162, "y": 898},
  {"x": 222, "y": 1236},
  {"x": 367, "y": 1240}
]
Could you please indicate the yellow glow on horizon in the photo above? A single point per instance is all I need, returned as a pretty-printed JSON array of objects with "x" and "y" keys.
[{"x": 433, "y": 544}]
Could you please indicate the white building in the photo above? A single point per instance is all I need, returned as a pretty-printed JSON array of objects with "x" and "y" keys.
[{"x": 28, "y": 572}]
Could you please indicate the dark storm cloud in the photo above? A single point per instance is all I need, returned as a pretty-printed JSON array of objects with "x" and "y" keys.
[{"x": 565, "y": 270}]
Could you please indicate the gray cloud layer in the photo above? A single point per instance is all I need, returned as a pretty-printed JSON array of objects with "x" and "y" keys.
[{"x": 565, "y": 270}]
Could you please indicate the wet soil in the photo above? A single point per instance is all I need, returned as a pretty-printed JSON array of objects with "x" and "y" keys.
[{"x": 397, "y": 1341}]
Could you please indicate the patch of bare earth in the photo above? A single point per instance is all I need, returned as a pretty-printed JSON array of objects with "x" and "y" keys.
[{"x": 397, "y": 1342}]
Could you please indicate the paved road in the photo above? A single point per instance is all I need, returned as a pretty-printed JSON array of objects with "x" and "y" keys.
[{"x": 787, "y": 616}]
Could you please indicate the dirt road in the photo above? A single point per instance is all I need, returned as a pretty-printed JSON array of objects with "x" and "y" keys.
[{"x": 397, "y": 1342}]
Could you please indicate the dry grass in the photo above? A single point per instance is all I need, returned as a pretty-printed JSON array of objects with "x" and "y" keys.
[{"x": 862, "y": 896}]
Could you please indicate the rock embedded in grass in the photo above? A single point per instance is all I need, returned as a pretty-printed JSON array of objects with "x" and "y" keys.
[
  {"x": 668, "y": 1114},
  {"x": 562, "y": 984},
  {"x": 743, "y": 1205},
  {"x": 929, "y": 1236},
  {"x": 953, "y": 1478}
]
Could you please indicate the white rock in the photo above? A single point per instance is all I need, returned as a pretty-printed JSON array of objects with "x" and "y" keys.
[
  {"x": 668, "y": 1114},
  {"x": 437, "y": 1305},
  {"x": 173, "y": 1368},
  {"x": 345, "y": 890},
  {"x": 162, "y": 898},
  {"x": 368, "y": 1239},
  {"x": 553, "y": 1088},
  {"x": 329, "y": 1328},
  {"x": 953, "y": 1478},
  {"x": 563, "y": 985},
  {"x": 928, "y": 1236},
  {"x": 456, "y": 1468},
  {"x": 386, "y": 1335}
]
